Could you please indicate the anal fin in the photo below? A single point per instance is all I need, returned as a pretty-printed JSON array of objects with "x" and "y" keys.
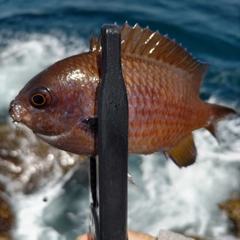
[{"x": 184, "y": 154}]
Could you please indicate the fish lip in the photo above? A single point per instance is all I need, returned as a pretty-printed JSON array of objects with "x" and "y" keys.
[
  {"x": 18, "y": 113},
  {"x": 11, "y": 106},
  {"x": 14, "y": 111}
]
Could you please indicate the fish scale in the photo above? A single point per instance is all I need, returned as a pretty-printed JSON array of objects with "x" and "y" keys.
[
  {"x": 162, "y": 81},
  {"x": 151, "y": 112}
]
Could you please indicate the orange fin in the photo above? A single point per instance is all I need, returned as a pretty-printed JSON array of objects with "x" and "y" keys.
[
  {"x": 142, "y": 42},
  {"x": 218, "y": 113},
  {"x": 184, "y": 154},
  {"x": 95, "y": 44},
  {"x": 211, "y": 127}
]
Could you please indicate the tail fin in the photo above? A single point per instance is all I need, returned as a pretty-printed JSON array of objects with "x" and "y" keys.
[{"x": 218, "y": 113}]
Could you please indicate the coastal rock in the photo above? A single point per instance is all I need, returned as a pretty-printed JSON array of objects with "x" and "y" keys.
[
  {"x": 27, "y": 163},
  {"x": 6, "y": 217},
  {"x": 232, "y": 208}
]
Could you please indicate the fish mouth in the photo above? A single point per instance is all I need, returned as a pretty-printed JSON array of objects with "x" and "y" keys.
[{"x": 18, "y": 113}]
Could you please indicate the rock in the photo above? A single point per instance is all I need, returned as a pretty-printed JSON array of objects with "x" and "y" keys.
[
  {"x": 6, "y": 218},
  {"x": 232, "y": 208},
  {"x": 5, "y": 236},
  {"x": 27, "y": 163}
]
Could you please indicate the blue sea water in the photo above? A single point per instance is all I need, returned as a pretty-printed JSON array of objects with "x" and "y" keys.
[{"x": 35, "y": 34}]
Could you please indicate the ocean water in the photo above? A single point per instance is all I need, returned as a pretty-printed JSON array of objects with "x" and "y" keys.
[{"x": 35, "y": 34}]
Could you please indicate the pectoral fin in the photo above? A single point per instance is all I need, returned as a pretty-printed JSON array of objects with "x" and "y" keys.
[
  {"x": 184, "y": 154},
  {"x": 91, "y": 124}
]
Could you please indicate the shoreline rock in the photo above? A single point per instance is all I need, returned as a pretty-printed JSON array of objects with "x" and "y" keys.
[
  {"x": 30, "y": 163},
  {"x": 27, "y": 164},
  {"x": 6, "y": 217},
  {"x": 232, "y": 208}
]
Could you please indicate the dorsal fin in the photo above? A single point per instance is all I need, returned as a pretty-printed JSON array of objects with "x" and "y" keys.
[
  {"x": 142, "y": 42},
  {"x": 95, "y": 44}
]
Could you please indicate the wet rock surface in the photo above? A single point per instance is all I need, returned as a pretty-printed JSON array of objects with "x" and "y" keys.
[
  {"x": 6, "y": 217},
  {"x": 232, "y": 208},
  {"x": 26, "y": 164},
  {"x": 28, "y": 161}
]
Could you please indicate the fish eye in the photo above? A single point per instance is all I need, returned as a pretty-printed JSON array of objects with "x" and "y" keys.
[{"x": 40, "y": 97}]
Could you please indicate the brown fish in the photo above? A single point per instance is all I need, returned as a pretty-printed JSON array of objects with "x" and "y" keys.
[{"x": 162, "y": 81}]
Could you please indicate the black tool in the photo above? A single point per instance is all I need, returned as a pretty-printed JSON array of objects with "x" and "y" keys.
[{"x": 108, "y": 172}]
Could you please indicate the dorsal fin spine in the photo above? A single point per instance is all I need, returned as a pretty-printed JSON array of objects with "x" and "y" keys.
[
  {"x": 185, "y": 67},
  {"x": 147, "y": 41},
  {"x": 153, "y": 48},
  {"x": 127, "y": 39},
  {"x": 181, "y": 50},
  {"x": 194, "y": 65},
  {"x": 182, "y": 59},
  {"x": 92, "y": 43},
  {"x": 170, "y": 52},
  {"x": 138, "y": 40},
  {"x": 159, "y": 57}
]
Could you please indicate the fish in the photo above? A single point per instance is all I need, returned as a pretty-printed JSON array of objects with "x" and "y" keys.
[{"x": 162, "y": 82}]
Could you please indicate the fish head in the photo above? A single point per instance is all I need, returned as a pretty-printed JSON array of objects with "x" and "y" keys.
[{"x": 55, "y": 102}]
